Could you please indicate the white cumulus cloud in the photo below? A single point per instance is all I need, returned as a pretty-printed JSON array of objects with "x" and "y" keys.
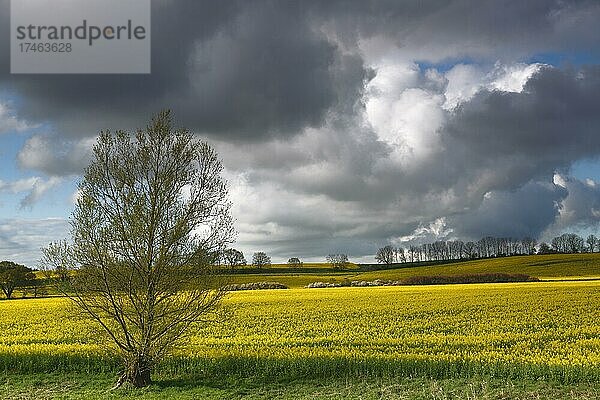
[{"x": 9, "y": 121}]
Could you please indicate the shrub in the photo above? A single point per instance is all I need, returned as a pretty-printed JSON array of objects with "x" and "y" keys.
[
  {"x": 255, "y": 286},
  {"x": 468, "y": 278}
]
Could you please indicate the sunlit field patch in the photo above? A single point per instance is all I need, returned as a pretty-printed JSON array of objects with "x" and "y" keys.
[{"x": 541, "y": 266}]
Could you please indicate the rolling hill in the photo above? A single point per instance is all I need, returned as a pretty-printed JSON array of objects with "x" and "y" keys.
[{"x": 545, "y": 267}]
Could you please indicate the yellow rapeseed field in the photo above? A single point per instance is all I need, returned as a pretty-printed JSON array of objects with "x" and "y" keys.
[{"x": 542, "y": 329}]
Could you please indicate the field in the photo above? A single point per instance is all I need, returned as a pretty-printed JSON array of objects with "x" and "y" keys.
[
  {"x": 550, "y": 266},
  {"x": 540, "y": 337},
  {"x": 546, "y": 267}
]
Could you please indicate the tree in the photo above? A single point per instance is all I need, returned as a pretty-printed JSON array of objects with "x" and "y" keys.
[
  {"x": 413, "y": 253},
  {"x": 36, "y": 287},
  {"x": 386, "y": 255},
  {"x": 400, "y": 255},
  {"x": 528, "y": 245},
  {"x": 568, "y": 243},
  {"x": 294, "y": 262},
  {"x": 337, "y": 261},
  {"x": 592, "y": 242},
  {"x": 12, "y": 276},
  {"x": 545, "y": 249},
  {"x": 260, "y": 259},
  {"x": 152, "y": 213},
  {"x": 455, "y": 249},
  {"x": 469, "y": 250},
  {"x": 574, "y": 243},
  {"x": 59, "y": 255},
  {"x": 233, "y": 258}
]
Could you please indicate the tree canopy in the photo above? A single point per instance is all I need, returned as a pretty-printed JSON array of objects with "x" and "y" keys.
[{"x": 12, "y": 276}]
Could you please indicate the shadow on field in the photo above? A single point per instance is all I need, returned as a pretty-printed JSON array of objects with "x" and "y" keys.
[
  {"x": 371, "y": 387},
  {"x": 70, "y": 386},
  {"x": 227, "y": 383}
]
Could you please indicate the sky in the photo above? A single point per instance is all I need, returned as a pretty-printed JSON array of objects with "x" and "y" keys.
[{"x": 343, "y": 126}]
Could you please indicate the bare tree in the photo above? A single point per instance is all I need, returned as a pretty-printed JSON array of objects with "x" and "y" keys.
[
  {"x": 426, "y": 252},
  {"x": 294, "y": 262},
  {"x": 575, "y": 243},
  {"x": 152, "y": 216},
  {"x": 568, "y": 243},
  {"x": 386, "y": 255},
  {"x": 592, "y": 242},
  {"x": 455, "y": 248},
  {"x": 440, "y": 250},
  {"x": 233, "y": 258},
  {"x": 513, "y": 246},
  {"x": 413, "y": 253},
  {"x": 261, "y": 259},
  {"x": 487, "y": 246},
  {"x": 544, "y": 248},
  {"x": 469, "y": 250},
  {"x": 558, "y": 244},
  {"x": 400, "y": 255},
  {"x": 337, "y": 261},
  {"x": 528, "y": 245}
]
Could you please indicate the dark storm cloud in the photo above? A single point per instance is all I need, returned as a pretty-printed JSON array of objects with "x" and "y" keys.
[
  {"x": 527, "y": 211},
  {"x": 265, "y": 72},
  {"x": 555, "y": 116},
  {"x": 492, "y": 173},
  {"x": 501, "y": 145},
  {"x": 495, "y": 141},
  {"x": 522, "y": 136},
  {"x": 581, "y": 208},
  {"x": 249, "y": 70},
  {"x": 233, "y": 69},
  {"x": 439, "y": 30}
]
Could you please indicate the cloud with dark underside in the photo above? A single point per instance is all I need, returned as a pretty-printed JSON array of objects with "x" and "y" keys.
[
  {"x": 489, "y": 171},
  {"x": 250, "y": 70},
  {"x": 527, "y": 211},
  {"x": 239, "y": 70}
]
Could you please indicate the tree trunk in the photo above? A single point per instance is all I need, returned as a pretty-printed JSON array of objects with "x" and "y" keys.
[{"x": 137, "y": 373}]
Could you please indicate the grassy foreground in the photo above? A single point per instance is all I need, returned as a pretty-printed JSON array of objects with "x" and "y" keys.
[{"x": 80, "y": 386}]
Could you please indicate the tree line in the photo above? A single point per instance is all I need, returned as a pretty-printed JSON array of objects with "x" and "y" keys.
[
  {"x": 15, "y": 276},
  {"x": 486, "y": 247},
  {"x": 232, "y": 258}
]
